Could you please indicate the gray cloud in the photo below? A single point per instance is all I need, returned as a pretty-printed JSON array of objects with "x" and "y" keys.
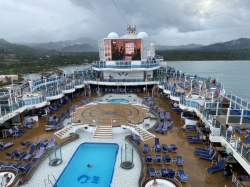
[{"x": 166, "y": 22}]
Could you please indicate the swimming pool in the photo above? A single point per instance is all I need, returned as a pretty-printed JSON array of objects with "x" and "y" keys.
[
  {"x": 101, "y": 157},
  {"x": 119, "y": 101}
]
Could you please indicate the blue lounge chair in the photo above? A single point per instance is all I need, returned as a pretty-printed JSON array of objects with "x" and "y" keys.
[
  {"x": 25, "y": 144},
  {"x": 164, "y": 172},
  {"x": 1, "y": 164},
  {"x": 167, "y": 159},
  {"x": 39, "y": 154},
  {"x": 194, "y": 137},
  {"x": 152, "y": 172},
  {"x": 7, "y": 167},
  {"x": 209, "y": 153},
  {"x": 10, "y": 155},
  {"x": 157, "y": 145},
  {"x": 24, "y": 169},
  {"x": 158, "y": 159},
  {"x": 180, "y": 160},
  {"x": 158, "y": 129},
  {"x": 5, "y": 146},
  {"x": 164, "y": 129},
  {"x": 20, "y": 155},
  {"x": 30, "y": 154},
  {"x": 27, "y": 125},
  {"x": 17, "y": 130},
  {"x": 51, "y": 142},
  {"x": 36, "y": 143},
  {"x": 198, "y": 140},
  {"x": 218, "y": 167},
  {"x": 165, "y": 148},
  {"x": 183, "y": 176},
  {"x": 17, "y": 165},
  {"x": 145, "y": 148},
  {"x": 210, "y": 149},
  {"x": 201, "y": 149},
  {"x": 10, "y": 132},
  {"x": 149, "y": 159},
  {"x": 171, "y": 173},
  {"x": 208, "y": 157},
  {"x": 174, "y": 147},
  {"x": 135, "y": 139},
  {"x": 43, "y": 144}
]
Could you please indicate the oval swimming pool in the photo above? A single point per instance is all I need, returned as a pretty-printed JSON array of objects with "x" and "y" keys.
[
  {"x": 100, "y": 157},
  {"x": 119, "y": 101},
  {"x": 161, "y": 183}
]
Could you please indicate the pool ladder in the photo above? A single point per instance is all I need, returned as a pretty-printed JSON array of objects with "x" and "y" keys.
[{"x": 49, "y": 181}]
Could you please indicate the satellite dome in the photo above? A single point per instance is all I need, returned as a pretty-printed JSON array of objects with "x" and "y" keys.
[
  {"x": 113, "y": 35},
  {"x": 142, "y": 35}
]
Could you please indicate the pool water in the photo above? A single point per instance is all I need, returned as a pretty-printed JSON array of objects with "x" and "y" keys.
[
  {"x": 119, "y": 101},
  {"x": 101, "y": 157}
]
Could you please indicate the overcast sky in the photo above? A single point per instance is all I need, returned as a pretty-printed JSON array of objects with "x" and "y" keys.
[{"x": 167, "y": 22}]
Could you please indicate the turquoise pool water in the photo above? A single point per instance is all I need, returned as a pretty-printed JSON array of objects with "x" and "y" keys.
[
  {"x": 119, "y": 101},
  {"x": 101, "y": 156}
]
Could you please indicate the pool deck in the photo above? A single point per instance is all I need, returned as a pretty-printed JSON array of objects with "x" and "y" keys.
[{"x": 193, "y": 166}]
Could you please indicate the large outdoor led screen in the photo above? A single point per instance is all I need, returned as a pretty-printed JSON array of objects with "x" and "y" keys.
[{"x": 122, "y": 49}]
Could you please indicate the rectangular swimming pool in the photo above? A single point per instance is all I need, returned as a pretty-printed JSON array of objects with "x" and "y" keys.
[{"x": 101, "y": 157}]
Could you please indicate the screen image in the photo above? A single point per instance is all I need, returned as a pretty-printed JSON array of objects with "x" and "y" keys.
[{"x": 122, "y": 49}]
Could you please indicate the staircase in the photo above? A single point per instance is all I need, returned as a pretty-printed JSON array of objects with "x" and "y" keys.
[
  {"x": 233, "y": 140},
  {"x": 103, "y": 132},
  {"x": 65, "y": 132},
  {"x": 142, "y": 133}
]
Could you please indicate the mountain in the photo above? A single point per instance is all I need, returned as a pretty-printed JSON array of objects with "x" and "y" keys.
[
  {"x": 3, "y": 40},
  {"x": 179, "y": 47},
  {"x": 78, "y": 48},
  {"x": 62, "y": 44},
  {"x": 241, "y": 43},
  {"x": 16, "y": 49}
]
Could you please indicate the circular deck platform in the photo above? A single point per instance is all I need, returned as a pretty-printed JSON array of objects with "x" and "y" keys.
[{"x": 115, "y": 114}]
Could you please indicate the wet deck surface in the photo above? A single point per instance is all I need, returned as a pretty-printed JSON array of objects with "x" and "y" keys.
[{"x": 194, "y": 167}]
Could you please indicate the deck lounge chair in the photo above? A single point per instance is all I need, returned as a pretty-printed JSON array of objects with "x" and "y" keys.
[
  {"x": 171, "y": 173},
  {"x": 198, "y": 140},
  {"x": 20, "y": 155},
  {"x": 39, "y": 154},
  {"x": 36, "y": 143},
  {"x": 17, "y": 165},
  {"x": 14, "y": 134},
  {"x": 10, "y": 155},
  {"x": 167, "y": 159},
  {"x": 24, "y": 169},
  {"x": 158, "y": 159},
  {"x": 152, "y": 172},
  {"x": 208, "y": 153},
  {"x": 145, "y": 148},
  {"x": 17, "y": 130},
  {"x": 183, "y": 176},
  {"x": 51, "y": 142},
  {"x": 43, "y": 144},
  {"x": 194, "y": 137},
  {"x": 218, "y": 167},
  {"x": 158, "y": 129},
  {"x": 208, "y": 157},
  {"x": 149, "y": 159},
  {"x": 135, "y": 139},
  {"x": 201, "y": 149},
  {"x": 210, "y": 149},
  {"x": 164, "y": 172},
  {"x": 165, "y": 148},
  {"x": 157, "y": 145},
  {"x": 180, "y": 160},
  {"x": 240, "y": 130},
  {"x": 7, "y": 167},
  {"x": 30, "y": 154},
  {"x": 25, "y": 144},
  {"x": 1, "y": 164},
  {"x": 174, "y": 147},
  {"x": 164, "y": 129},
  {"x": 4, "y": 146}
]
